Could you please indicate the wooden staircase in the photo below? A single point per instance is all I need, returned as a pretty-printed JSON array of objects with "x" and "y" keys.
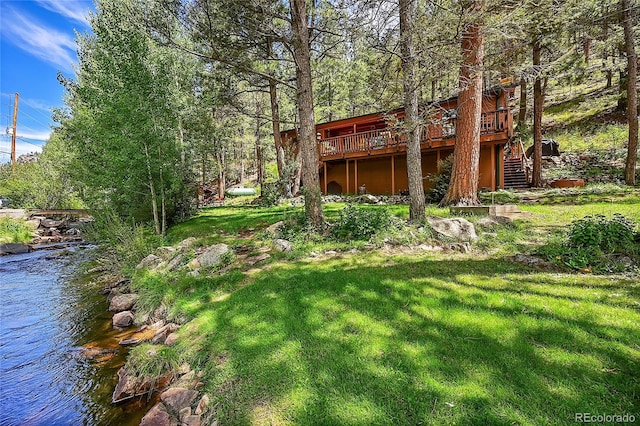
[{"x": 514, "y": 174}]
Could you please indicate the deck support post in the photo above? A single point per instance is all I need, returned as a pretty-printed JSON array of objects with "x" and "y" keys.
[
  {"x": 324, "y": 164},
  {"x": 493, "y": 167},
  {"x": 393, "y": 175},
  {"x": 347, "y": 167},
  {"x": 438, "y": 161},
  {"x": 355, "y": 177},
  {"x": 501, "y": 164}
]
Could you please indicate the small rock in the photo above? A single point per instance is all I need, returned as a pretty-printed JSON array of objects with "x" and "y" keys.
[
  {"x": 203, "y": 404},
  {"x": 461, "y": 247},
  {"x": 184, "y": 413},
  {"x": 123, "y": 319},
  {"x": 51, "y": 223},
  {"x": 129, "y": 342},
  {"x": 157, "y": 416},
  {"x": 171, "y": 339},
  {"x": 178, "y": 398},
  {"x": 493, "y": 221},
  {"x": 192, "y": 420},
  {"x": 274, "y": 229},
  {"x": 150, "y": 262},
  {"x": 122, "y": 302},
  {"x": 255, "y": 259},
  {"x": 283, "y": 245},
  {"x": 330, "y": 252}
]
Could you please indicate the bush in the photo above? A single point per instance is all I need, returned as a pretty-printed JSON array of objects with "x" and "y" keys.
[
  {"x": 596, "y": 243},
  {"x": 14, "y": 231},
  {"x": 440, "y": 181},
  {"x": 270, "y": 193},
  {"x": 615, "y": 235},
  {"x": 361, "y": 223}
]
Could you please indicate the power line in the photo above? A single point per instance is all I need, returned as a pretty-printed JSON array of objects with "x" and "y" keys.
[{"x": 33, "y": 118}]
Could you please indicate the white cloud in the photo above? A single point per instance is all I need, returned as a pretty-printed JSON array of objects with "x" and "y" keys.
[
  {"x": 75, "y": 10},
  {"x": 34, "y": 134},
  {"x": 43, "y": 42}
]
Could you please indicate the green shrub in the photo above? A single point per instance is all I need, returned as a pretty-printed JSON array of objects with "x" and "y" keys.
[
  {"x": 440, "y": 181},
  {"x": 296, "y": 227},
  {"x": 14, "y": 231},
  {"x": 615, "y": 235},
  {"x": 595, "y": 243},
  {"x": 361, "y": 223},
  {"x": 270, "y": 193}
]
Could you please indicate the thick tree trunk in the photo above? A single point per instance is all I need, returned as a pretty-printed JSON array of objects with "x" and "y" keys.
[
  {"x": 275, "y": 122},
  {"x": 307, "y": 131},
  {"x": 463, "y": 187},
  {"x": 408, "y": 12},
  {"x": 538, "y": 105},
  {"x": 632, "y": 94},
  {"x": 522, "y": 113}
]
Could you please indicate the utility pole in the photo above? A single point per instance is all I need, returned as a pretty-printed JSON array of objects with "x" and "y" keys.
[{"x": 14, "y": 132}]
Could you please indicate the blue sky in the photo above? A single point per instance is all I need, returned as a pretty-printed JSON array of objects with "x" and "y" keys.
[{"x": 37, "y": 40}]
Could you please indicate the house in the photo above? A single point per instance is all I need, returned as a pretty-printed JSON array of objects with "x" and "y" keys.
[{"x": 370, "y": 150}]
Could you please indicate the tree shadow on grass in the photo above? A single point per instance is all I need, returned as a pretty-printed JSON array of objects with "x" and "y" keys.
[{"x": 415, "y": 342}]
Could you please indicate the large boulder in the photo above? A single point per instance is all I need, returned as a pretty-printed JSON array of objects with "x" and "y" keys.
[
  {"x": 149, "y": 262},
  {"x": 213, "y": 256},
  {"x": 455, "y": 228},
  {"x": 123, "y": 319},
  {"x": 186, "y": 244},
  {"x": 13, "y": 248},
  {"x": 157, "y": 416},
  {"x": 178, "y": 398},
  {"x": 122, "y": 302}
]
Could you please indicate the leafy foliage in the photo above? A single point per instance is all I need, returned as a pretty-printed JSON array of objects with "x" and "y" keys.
[
  {"x": 440, "y": 181},
  {"x": 360, "y": 223},
  {"x": 596, "y": 243},
  {"x": 14, "y": 231}
]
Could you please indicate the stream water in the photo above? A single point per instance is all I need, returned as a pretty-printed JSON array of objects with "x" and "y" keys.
[{"x": 58, "y": 353}]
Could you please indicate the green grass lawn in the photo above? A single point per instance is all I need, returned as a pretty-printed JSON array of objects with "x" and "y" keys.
[{"x": 380, "y": 337}]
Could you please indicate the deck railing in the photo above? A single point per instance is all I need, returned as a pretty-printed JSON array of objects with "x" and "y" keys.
[{"x": 374, "y": 140}]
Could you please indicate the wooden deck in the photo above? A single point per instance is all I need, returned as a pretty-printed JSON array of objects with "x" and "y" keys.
[{"x": 495, "y": 126}]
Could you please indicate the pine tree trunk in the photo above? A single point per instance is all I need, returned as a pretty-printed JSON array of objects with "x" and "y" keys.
[
  {"x": 522, "y": 113},
  {"x": 465, "y": 174},
  {"x": 632, "y": 94},
  {"x": 275, "y": 122},
  {"x": 408, "y": 12},
  {"x": 307, "y": 132},
  {"x": 538, "y": 105}
]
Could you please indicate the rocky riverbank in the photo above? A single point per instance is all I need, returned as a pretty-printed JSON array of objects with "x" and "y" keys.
[
  {"x": 47, "y": 232},
  {"x": 177, "y": 392}
]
